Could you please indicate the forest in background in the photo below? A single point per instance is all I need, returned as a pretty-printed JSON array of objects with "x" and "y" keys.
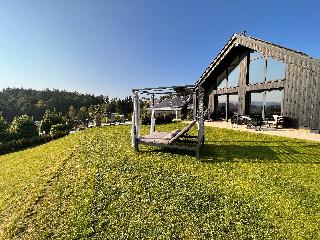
[{"x": 19, "y": 101}]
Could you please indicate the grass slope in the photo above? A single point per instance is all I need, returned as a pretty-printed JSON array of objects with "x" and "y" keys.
[{"x": 92, "y": 185}]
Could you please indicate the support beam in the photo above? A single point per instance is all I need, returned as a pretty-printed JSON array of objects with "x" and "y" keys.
[
  {"x": 264, "y": 94},
  {"x": 200, "y": 119},
  {"x": 194, "y": 106},
  {"x": 227, "y": 107},
  {"x": 227, "y": 97},
  {"x": 153, "y": 120},
  {"x": 243, "y": 81},
  {"x": 136, "y": 121}
]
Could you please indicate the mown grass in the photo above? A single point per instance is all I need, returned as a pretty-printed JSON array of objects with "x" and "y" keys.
[{"x": 92, "y": 185}]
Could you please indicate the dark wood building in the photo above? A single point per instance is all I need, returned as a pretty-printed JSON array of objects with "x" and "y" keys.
[{"x": 248, "y": 66}]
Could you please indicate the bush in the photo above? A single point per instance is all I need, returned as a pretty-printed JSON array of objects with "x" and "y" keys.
[
  {"x": 145, "y": 117},
  {"x": 3, "y": 129},
  {"x": 23, "y": 143},
  {"x": 23, "y": 127},
  {"x": 49, "y": 119},
  {"x": 164, "y": 118},
  {"x": 59, "y": 130},
  {"x": 160, "y": 118}
]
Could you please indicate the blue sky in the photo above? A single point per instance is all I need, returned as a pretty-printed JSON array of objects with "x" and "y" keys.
[{"x": 109, "y": 47}]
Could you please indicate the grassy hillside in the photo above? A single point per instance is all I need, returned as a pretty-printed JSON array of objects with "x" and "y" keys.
[{"x": 92, "y": 185}]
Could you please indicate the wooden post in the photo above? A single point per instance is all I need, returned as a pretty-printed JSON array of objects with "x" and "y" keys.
[
  {"x": 133, "y": 128},
  {"x": 135, "y": 121},
  {"x": 282, "y": 103},
  {"x": 243, "y": 106},
  {"x": 227, "y": 96},
  {"x": 194, "y": 105},
  {"x": 263, "y": 113},
  {"x": 153, "y": 120},
  {"x": 138, "y": 116},
  {"x": 227, "y": 107},
  {"x": 200, "y": 122},
  {"x": 264, "y": 92}
]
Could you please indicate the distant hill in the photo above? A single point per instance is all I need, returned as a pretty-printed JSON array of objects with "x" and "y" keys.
[
  {"x": 256, "y": 103},
  {"x": 260, "y": 103}
]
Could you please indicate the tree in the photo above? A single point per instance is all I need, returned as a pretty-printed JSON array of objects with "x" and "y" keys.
[
  {"x": 49, "y": 119},
  {"x": 97, "y": 112},
  {"x": 23, "y": 127},
  {"x": 3, "y": 129},
  {"x": 59, "y": 130},
  {"x": 82, "y": 114},
  {"x": 72, "y": 112}
]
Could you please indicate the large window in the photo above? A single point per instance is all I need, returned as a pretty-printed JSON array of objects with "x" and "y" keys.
[
  {"x": 256, "y": 68},
  {"x": 275, "y": 69},
  {"x": 230, "y": 76},
  {"x": 233, "y": 104},
  {"x": 222, "y": 82},
  {"x": 256, "y": 103},
  {"x": 221, "y": 110},
  {"x": 273, "y": 103},
  {"x": 261, "y": 67},
  {"x": 233, "y": 78}
]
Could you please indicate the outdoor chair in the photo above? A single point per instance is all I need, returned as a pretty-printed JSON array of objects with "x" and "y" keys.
[
  {"x": 166, "y": 138},
  {"x": 278, "y": 121},
  {"x": 255, "y": 122}
]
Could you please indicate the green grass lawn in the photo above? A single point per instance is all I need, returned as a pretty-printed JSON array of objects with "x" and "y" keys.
[{"x": 92, "y": 185}]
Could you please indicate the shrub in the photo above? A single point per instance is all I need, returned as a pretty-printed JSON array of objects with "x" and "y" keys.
[
  {"x": 164, "y": 118},
  {"x": 3, "y": 130},
  {"x": 160, "y": 118},
  {"x": 59, "y": 130},
  {"x": 23, "y": 127},
  {"x": 23, "y": 143},
  {"x": 49, "y": 119},
  {"x": 145, "y": 117}
]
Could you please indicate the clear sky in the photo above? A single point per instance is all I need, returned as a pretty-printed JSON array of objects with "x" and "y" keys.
[{"x": 109, "y": 47}]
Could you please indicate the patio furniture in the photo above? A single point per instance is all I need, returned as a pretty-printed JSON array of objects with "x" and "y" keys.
[
  {"x": 255, "y": 122},
  {"x": 165, "y": 139},
  {"x": 277, "y": 122}
]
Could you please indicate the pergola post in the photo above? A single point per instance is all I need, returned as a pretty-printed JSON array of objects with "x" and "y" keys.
[
  {"x": 133, "y": 129},
  {"x": 153, "y": 120},
  {"x": 136, "y": 121},
  {"x": 194, "y": 104},
  {"x": 264, "y": 92},
  {"x": 200, "y": 119},
  {"x": 227, "y": 107}
]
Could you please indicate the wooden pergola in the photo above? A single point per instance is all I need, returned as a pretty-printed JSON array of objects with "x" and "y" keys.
[{"x": 158, "y": 138}]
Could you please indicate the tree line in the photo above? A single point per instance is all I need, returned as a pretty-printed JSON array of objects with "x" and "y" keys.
[
  {"x": 34, "y": 103},
  {"x": 29, "y": 117}
]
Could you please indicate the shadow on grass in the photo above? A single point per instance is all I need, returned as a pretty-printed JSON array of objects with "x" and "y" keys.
[
  {"x": 248, "y": 151},
  {"x": 273, "y": 152}
]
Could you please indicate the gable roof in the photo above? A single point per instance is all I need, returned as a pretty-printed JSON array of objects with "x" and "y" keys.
[{"x": 268, "y": 49}]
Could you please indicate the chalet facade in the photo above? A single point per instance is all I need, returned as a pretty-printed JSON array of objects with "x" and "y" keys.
[{"x": 248, "y": 67}]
